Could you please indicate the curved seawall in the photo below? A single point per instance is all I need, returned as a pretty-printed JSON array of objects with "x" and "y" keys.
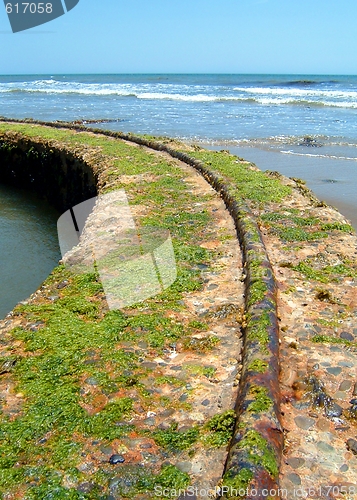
[{"x": 57, "y": 173}]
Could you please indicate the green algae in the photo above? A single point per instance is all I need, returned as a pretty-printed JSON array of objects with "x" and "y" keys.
[
  {"x": 335, "y": 322},
  {"x": 201, "y": 370},
  {"x": 283, "y": 216},
  {"x": 168, "y": 379},
  {"x": 252, "y": 230},
  {"x": 102, "y": 425},
  {"x": 174, "y": 440},
  {"x": 219, "y": 429},
  {"x": 258, "y": 366},
  {"x": 338, "y": 226},
  {"x": 298, "y": 234},
  {"x": 328, "y": 339},
  {"x": 216, "y": 432},
  {"x": 309, "y": 272},
  {"x": 291, "y": 227},
  {"x": 259, "y": 451},
  {"x": 324, "y": 274},
  {"x": 244, "y": 182},
  {"x": 172, "y": 478},
  {"x": 198, "y": 325},
  {"x": 258, "y": 329},
  {"x": 202, "y": 344},
  {"x": 257, "y": 291},
  {"x": 261, "y": 402},
  {"x": 236, "y": 483}
]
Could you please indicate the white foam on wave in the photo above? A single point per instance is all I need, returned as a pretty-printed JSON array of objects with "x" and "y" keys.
[
  {"x": 42, "y": 82},
  {"x": 177, "y": 97},
  {"x": 266, "y": 96},
  {"x": 279, "y": 101},
  {"x": 141, "y": 91},
  {"x": 337, "y": 94},
  {"x": 332, "y": 157},
  {"x": 303, "y": 97}
]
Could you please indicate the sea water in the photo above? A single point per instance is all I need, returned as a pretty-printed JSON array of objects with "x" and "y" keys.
[
  {"x": 205, "y": 107},
  {"x": 29, "y": 247}
]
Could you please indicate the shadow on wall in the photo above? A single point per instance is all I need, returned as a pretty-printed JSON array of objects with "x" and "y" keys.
[{"x": 59, "y": 176}]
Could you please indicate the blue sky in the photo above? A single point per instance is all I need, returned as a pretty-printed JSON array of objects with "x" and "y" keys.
[{"x": 188, "y": 36}]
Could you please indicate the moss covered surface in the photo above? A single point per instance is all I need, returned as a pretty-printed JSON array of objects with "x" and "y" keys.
[
  {"x": 245, "y": 182},
  {"x": 261, "y": 400}
]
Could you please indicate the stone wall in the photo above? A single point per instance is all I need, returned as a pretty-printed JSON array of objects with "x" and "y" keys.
[{"x": 54, "y": 172}]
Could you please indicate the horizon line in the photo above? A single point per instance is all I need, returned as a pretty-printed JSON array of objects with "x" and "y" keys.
[{"x": 178, "y": 73}]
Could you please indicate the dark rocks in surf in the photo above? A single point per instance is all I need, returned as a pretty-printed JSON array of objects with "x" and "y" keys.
[{"x": 310, "y": 142}]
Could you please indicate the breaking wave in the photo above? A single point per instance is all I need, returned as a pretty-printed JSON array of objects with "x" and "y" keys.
[{"x": 290, "y": 95}]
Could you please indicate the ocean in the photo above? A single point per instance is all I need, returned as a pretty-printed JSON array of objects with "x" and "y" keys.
[{"x": 301, "y": 125}]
